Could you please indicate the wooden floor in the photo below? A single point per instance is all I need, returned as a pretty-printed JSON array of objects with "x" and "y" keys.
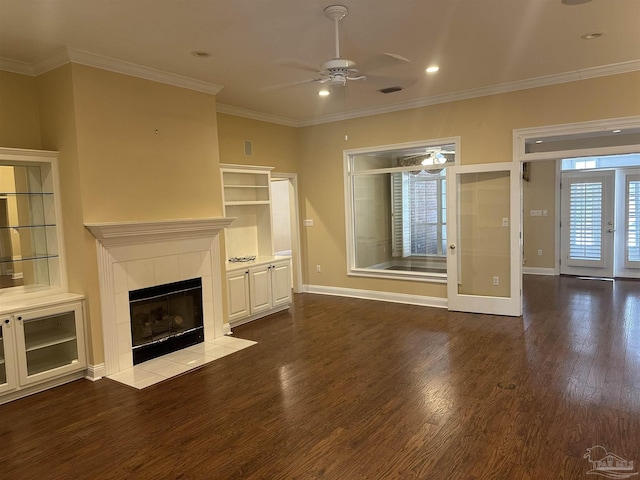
[{"x": 342, "y": 388}]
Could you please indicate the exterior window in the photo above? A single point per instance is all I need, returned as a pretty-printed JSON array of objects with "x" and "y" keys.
[{"x": 396, "y": 211}]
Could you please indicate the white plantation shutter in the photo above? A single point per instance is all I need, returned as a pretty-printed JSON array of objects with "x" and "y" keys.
[
  {"x": 406, "y": 217},
  {"x": 585, "y": 221},
  {"x": 396, "y": 214},
  {"x": 400, "y": 215},
  {"x": 632, "y": 257}
]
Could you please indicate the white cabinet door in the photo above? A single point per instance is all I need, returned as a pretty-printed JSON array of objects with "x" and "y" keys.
[
  {"x": 7, "y": 355},
  {"x": 280, "y": 284},
  {"x": 260, "y": 288},
  {"x": 49, "y": 342},
  {"x": 238, "y": 293}
]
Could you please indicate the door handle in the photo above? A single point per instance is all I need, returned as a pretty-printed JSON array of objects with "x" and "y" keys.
[
  {"x": 452, "y": 246},
  {"x": 610, "y": 230}
]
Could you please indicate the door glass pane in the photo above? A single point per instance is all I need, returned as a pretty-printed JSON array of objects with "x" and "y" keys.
[
  {"x": 633, "y": 221},
  {"x": 585, "y": 221},
  {"x": 483, "y": 242}
]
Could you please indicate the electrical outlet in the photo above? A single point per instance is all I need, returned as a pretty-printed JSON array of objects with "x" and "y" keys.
[
  {"x": 539, "y": 251},
  {"x": 317, "y": 268},
  {"x": 496, "y": 281},
  {"x": 505, "y": 222}
]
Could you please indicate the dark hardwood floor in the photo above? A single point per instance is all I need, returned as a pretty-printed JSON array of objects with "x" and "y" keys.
[{"x": 342, "y": 388}]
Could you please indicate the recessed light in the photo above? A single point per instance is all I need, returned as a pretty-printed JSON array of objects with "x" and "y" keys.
[
  {"x": 323, "y": 93},
  {"x": 591, "y": 35},
  {"x": 616, "y": 131},
  {"x": 538, "y": 141},
  {"x": 432, "y": 69},
  {"x": 200, "y": 54}
]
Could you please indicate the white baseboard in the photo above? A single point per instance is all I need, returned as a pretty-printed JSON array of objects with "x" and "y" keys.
[
  {"x": 251, "y": 318},
  {"x": 96, "y": 372},
  {"x": 538, "y": 271},
  {"x": 409, "y": 299}
]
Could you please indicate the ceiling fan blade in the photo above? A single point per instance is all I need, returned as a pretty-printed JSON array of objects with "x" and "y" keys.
[
  {"x": 298, "y": 65},
  {"x": 395, "y": 56},
  {"x": 279, "y": 86},
  {"x": 383, "y": 60}
]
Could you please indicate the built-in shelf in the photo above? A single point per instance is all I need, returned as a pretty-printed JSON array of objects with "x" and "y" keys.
[
  {"x": 50, "y": 363},
  {"x": 48, "y": 338}
]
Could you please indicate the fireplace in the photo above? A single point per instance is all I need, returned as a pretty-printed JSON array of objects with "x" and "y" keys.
[
  {"x": 139, "y": 255},
  {"x": 165, "y": 318}
]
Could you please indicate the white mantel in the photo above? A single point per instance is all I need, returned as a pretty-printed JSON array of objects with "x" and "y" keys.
[{"x": 134, "y": 255}]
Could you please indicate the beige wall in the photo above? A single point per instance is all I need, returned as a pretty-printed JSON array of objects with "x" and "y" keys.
[
  {"x": 114, "y": 166},
  {"x": 130, "y": 149},
  {"x": 539, "y": 193},
  {"x": 273, "y": 145},
  {"x": 19, "y": 111},
  {"x": 485, "y": 126}
]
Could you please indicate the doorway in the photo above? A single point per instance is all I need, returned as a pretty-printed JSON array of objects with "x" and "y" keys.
[
  {"x": 596, "y": 250},
  {"x": 600, "y": 234},
  {"x": 285, "y": 221}
]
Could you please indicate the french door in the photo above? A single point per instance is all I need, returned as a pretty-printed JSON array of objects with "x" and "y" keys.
[
  {"x": 483, "y": 254},
  {"x": 587, "y": 223},
  {"x": 600, "y": 227}
]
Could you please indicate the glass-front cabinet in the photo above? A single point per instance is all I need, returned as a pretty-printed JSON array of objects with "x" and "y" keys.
[
  {"x": 29, "y": 238},
  {"x": 7, "y": 366},
  {"x": 48, "y": 341}
]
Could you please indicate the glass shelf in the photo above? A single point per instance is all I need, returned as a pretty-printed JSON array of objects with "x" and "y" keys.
[
  {"x": 48, "y": 338},
  {"x": 43, "y": 225},
  {"x": 31, "y": 258},
  {"x": 30, "y": 194}
]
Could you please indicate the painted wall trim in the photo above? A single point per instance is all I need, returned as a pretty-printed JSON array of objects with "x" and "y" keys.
[
  {"x": 538, "y": 271},
  {"x": 406, "y": 298},
  {"x": 96, "y": 372},
  {"x": 70, "y": 55},
  {"x": 66, "y": 55},
  {"x": 587, "y": 73},
  {"x": 253, "y": 115}
]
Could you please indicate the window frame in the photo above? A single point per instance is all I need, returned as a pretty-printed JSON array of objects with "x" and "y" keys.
[{"x": 348, "y": 175}]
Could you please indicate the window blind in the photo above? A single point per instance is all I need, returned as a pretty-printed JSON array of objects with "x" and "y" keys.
[
  {"x": 633, "y": 221},
  {"x": 585, "y": 221}
]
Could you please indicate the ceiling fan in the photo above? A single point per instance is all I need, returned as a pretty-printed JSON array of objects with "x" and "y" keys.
[{"x": 338, "y": 71}]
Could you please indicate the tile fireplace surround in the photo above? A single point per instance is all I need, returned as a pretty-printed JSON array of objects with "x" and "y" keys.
[{"x": 134, "y": 255}]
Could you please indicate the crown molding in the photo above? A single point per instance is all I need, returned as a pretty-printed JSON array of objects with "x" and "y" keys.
[
  {"x": 15, "y": 66},
  {"x": 263, "y": 117},
  {"x": 70, "y": 55},
  {"x": 584, "y": 74}
]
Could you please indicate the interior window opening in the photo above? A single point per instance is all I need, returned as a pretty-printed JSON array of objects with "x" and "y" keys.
[{"x": 397, "y": 211}]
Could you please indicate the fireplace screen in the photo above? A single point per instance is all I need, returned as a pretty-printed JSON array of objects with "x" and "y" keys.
[{"x": 165, "y": 318}]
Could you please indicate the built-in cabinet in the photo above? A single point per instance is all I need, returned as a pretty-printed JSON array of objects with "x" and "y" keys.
[
  {"x": 258, "y": 283},
  {"x": 259, "y": 289},
  {"x": 41, "y": 344}
]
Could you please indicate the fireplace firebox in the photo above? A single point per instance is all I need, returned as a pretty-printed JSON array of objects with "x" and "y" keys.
[{"x": 165, "y": 318}]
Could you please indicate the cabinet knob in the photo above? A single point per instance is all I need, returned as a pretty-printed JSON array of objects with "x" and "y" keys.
[
  {"x": 6, "y": 320},
  {"x": 19, "y": 318}
]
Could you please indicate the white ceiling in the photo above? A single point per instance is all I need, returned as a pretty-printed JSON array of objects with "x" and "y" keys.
[{"x": 478, "y": 44}]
